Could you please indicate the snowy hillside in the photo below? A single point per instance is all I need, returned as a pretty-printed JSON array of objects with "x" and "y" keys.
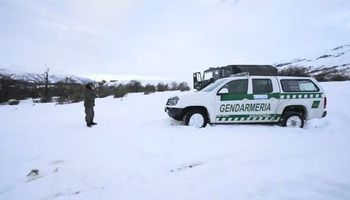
[
  {"x": 336, "y": 59},
  {"x": 137, "y": 152},
  {"x": 112, "y": 79},
  {"x": 20, "y": 74}
]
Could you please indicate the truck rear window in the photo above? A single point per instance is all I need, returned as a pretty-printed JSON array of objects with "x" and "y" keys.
[
  {"x": 262, "y": 86},
  {"x": 298, "y": 85}
]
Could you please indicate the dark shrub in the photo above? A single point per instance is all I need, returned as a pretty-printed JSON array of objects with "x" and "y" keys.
[
  {"x": 13, "y": 102},
  {"x": 183, "y": 87}
]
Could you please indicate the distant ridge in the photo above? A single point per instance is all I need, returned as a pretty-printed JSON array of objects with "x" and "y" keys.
[
  {"x": 327, "y": 65},
  {"x": 18, "y": 74}
]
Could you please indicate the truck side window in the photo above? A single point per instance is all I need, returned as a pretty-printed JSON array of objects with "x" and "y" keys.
[
  {"x": 216, "y": 74},
  {"x": 298, "y": 85},
  {"x": 262, "y": 86},
  {"x": 237, "y": 86},
  {"x": 208, "y": 75},
  {"x": 227, "y": 72}
]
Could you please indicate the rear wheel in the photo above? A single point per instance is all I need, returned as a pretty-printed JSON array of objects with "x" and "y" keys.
[
  {"x": 196, "y": 118},
  {"x": 292, "y": 119}
]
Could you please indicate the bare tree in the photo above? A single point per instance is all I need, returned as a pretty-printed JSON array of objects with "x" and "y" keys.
[
  {"x": 162, "y": 87},
  {"x": 173, "y": 86},
  {"x": 4, "y": 87},
  {"x": 46, "y": 97},
  {"x": 149, "y": 88},
  {"x": 183, "y": 87}
]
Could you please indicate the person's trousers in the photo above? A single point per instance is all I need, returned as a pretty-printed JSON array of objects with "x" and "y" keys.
[{"x": 89, "y": 114}]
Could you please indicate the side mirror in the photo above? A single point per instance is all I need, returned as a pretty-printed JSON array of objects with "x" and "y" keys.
[{"x": 223, "y": 91}]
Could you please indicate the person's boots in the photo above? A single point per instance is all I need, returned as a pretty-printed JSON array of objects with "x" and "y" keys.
[
  {"x": 88, "y": 125},
  {"x": 93, "y": 123}
]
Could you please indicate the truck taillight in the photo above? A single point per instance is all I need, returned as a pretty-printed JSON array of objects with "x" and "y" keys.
[{"x": 325, "y": 102}]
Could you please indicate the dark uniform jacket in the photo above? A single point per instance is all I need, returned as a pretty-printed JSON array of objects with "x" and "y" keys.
[{"x": 89, "y": 97}]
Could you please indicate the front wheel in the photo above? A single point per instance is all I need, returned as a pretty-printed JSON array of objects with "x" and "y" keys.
[
  {"x": 196, "y": 118},
  {"x": 292, "y": 119}
]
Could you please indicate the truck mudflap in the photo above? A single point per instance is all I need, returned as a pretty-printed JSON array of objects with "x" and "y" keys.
[{"x": 324, "y": 114}]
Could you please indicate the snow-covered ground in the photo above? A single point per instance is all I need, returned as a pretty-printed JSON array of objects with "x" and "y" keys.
[{"x": 136, "y": 152}]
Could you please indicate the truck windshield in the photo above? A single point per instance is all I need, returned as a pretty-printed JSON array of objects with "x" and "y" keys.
[{"x": 212, "y": 85}]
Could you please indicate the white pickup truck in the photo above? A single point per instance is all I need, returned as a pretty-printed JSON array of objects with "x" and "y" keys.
[{"x": 288, "y": 101}]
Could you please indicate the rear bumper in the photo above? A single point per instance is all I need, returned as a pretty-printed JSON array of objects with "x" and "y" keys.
[
  {"x": 324, "y": 114},
  {"x": 175, "y": 113}
]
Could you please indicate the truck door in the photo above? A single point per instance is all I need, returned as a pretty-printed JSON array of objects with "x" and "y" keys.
[
  {"x": 197, "y": 80},
  {"x": 265, "y": 99},
  {"x": 228, "y": 98},
  {"x": 240, "y": 102}
]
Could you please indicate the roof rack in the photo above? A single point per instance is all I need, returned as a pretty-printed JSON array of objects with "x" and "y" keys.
[{"x": 240, "y": 74}]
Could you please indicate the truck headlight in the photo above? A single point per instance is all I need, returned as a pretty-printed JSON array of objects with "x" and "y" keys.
[{"x": 172, "y": 101}]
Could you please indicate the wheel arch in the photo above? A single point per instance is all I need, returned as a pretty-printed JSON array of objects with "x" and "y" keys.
[
  {"x": 296, "y": 108},
  {"x": 203, "y": 108}
]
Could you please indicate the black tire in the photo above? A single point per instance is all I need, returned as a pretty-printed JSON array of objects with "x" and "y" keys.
[
  {"x": 193, "y": 112},
  {"x": 289, "y": 115}
]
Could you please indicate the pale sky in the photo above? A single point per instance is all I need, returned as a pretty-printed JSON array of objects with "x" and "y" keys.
[{"x": 165, "y": 38}]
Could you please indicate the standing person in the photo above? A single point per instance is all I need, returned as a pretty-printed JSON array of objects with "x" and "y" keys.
[{"x": 89, "y": 103}]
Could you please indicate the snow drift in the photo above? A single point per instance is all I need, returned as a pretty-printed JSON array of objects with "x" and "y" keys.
[{"x": 137, "y": 152}]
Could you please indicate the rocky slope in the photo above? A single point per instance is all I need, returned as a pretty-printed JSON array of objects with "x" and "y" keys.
[{"x": 328, "y": 64}]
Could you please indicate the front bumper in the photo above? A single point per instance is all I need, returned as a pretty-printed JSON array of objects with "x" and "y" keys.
[{"x": 175, "y": 113}]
